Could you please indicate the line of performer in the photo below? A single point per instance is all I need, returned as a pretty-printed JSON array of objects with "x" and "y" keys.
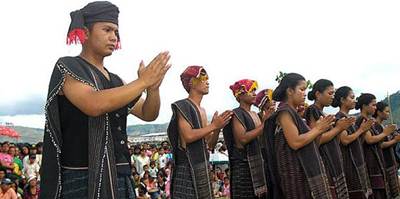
[{"x": 291, "y": 150}]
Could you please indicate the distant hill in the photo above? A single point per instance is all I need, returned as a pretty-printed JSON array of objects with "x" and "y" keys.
[
  {"x": 34, "y": 135},
  {"x": 29, "y": 135},
  {"x": 141, "y": 129}
]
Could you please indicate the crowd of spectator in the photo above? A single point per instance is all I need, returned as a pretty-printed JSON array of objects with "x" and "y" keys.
[
  {"x": 151, "y": 170},
  {"x": 19, "y": 170}
]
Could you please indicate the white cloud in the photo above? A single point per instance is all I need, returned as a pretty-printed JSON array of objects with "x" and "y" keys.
[{"x": 353, "y": 43}]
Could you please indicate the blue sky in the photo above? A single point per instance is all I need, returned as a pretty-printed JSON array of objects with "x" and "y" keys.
[{"x": 354, "y": 43}]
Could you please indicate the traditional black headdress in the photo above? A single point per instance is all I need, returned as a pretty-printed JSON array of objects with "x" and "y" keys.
[{"x": 98, "y": 11}]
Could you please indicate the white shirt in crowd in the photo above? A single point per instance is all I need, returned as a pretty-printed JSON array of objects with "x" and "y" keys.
[
  {"x": 153, "y": 172},
  {"x": 31, "y": 170},
  {"x": 38, "y": 160},
  {"x": 162, "y": 160},
  {"x": 141, "y": 161}
]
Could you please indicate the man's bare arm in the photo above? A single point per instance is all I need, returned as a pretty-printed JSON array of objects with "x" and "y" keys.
[{"x": 95, "y": 103}]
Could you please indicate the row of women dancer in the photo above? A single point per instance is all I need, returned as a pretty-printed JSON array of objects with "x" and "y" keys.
[{"x": 291, "y": 152}]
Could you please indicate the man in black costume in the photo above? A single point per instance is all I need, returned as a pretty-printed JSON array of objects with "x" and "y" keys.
[{"x": 85, "y": 153}]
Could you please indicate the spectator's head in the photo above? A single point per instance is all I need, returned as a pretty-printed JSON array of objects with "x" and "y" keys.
[
  {"x": 169, "y": 165},
  {"x": 32, "y": 181},
  {"x": 136, "y": 176},
  {"x": 218, "y": 170},
  {"x": 6, "y": 184},
  {"x": 23, "y": 181},
  {"x": 152, "y": 164},
  {"x": 164, "y": 143},
  {"x": 32, "y": 158},
  {"x": 143, "y": 152},
  {"x": 33, "y": 149},
  {"x": 212, "y": 173},
  {"x": 161, "y": 151},
  {"x": 3, "y": 173},
  {"x": 146, "y": 175},
  {"x": 39, "y": 147},
  {"x": 136, "y": 150},
  {"x": 226, "y": 181},
  {"x": 131, "y": 150},
  {"x": 151, "y": 179},
  {"x": 146, "y": 146},
  {"x": 5, "y": 147},
  {"x": 153, "y": 148},
  {"x": 17, "y": 151},
  {"x": 134, "y": 170},
  {"x": 25, "y": 150},
  {"x": 146, "y": 167},
  {"x": 160, "y": 178},
  {"x": 162, "y": 172},
  {"x": 146, "y": 180},
  {"x": 213, "y": 176},
  {"x": 12, "y": 151}
]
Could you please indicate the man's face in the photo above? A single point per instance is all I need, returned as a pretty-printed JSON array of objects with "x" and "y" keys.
[
  {"x": 102, "y": 38},
  {"x": 201, "y": 84},
  {"x": 249, "y": 97}
]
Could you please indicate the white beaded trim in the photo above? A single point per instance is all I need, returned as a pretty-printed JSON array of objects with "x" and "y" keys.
[{"x": 104, "y": 156}]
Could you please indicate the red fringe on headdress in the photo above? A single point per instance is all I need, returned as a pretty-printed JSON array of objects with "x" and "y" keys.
[
  {"x": 118, "y": 46},
  {"x": 76, "y": 35}
]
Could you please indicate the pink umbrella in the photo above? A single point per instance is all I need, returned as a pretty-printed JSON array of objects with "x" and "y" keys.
[{"x": 6, "y": 131}]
